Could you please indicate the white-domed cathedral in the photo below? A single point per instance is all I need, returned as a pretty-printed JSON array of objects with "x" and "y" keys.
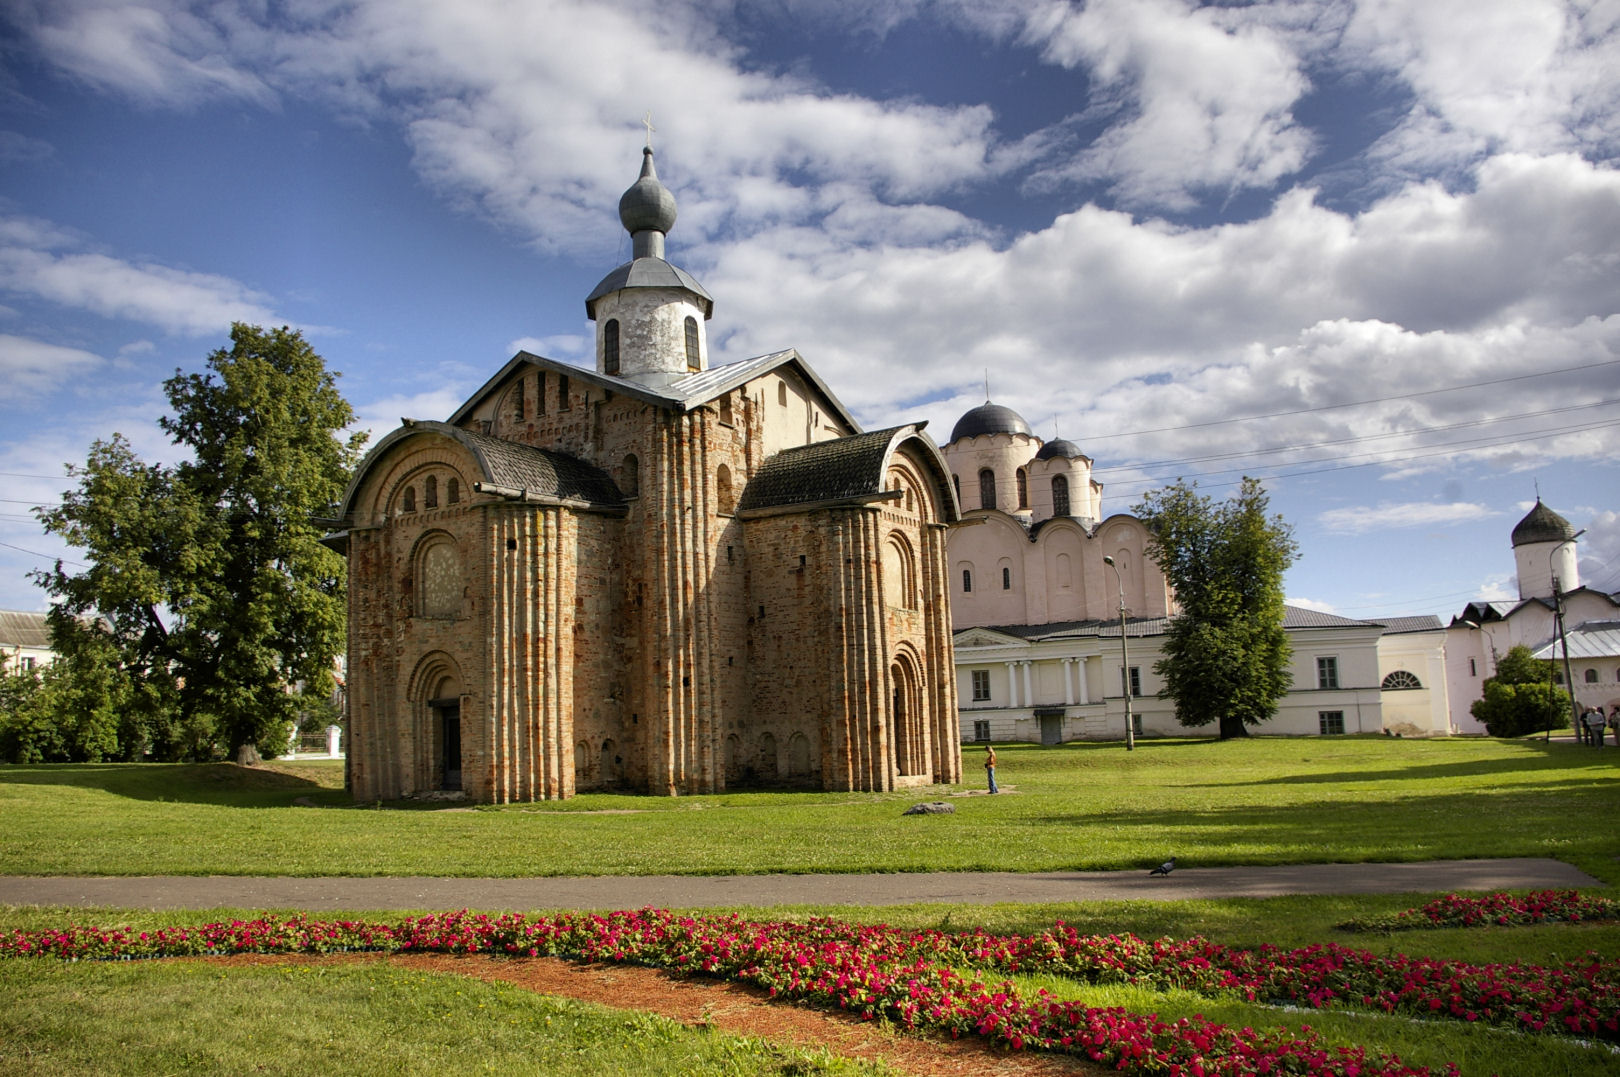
[
  {"x": 1038, "y": 575},
  {"x": 653, "y": 574}
]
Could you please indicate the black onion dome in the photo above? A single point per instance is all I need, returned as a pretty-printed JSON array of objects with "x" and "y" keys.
[
  {"x": 1059, "y": 447},
  {"x": 990, "y": 418},
  {"x": 1542, "y": 524},
  {"x": 647, "y": 206}
]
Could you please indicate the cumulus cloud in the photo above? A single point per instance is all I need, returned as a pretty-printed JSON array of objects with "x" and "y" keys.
[{"x": 1205, "y": 97}]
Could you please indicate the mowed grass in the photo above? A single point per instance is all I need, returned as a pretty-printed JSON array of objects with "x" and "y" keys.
[
  {"x": 1078, "y": 806},
  {"x": 1082, "y": 806},
  {"x": 188, "y": 1016}
]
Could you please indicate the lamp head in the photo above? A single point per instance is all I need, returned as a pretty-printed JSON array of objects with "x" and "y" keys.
[{"x": 1108, "y": 560}]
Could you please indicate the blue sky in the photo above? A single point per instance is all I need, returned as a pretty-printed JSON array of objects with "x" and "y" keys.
[{"x": 1368, "y": 251}]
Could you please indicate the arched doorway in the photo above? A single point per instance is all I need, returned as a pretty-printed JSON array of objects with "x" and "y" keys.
[
  {"x": 906, "y": 719},
  {"x": 437, "y": 691}
]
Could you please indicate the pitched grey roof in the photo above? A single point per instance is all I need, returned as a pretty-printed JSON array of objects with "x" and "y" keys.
[
  {"x": 1591, "y": 639},
  {"x": 1395, "y": 626},
  {"x": 837, "y": 470},
  {"x": 22, "y": 628},
  {"x": 1299, "y": 617}
]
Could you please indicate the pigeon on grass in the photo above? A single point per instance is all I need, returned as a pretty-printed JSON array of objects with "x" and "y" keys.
[{"x": 1165, "y": 868}]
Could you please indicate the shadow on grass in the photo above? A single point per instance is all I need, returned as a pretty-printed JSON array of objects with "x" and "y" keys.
[
  {"x": 1562, "y": 758},
  {"x": 273, "y": 785}
]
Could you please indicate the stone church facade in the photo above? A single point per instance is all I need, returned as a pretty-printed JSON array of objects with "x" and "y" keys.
[{"x": 652, "y": 575}]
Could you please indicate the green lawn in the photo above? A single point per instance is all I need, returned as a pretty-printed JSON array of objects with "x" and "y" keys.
[
  {"x": 1079, "y": 806},
  {"x": 184, "y": 1016}
]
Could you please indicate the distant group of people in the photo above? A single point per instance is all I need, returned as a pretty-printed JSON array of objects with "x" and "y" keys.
[{"x": 1592, "y": 722}]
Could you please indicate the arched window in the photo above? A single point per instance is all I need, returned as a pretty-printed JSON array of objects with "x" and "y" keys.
[
  {"x": 438, "y": 577},
  {"x": 563, "y": 403},
  {"x": 694, "y": 361},
  {"x": 430, "y": 493},
  {"x": 1006, "y": 578},
  {"x": 725, "y": 409},
  {"x": 781, "y": 393},
  {"x": 722, "y": 485},
  {"x": 519, "y": 410},
  {"x": 632, "y": 476},
  {"x": 967, "y": 581},
  {"x": 987, "y": 489},
  {"x": 610, "y": 346},
  {"x": 1591, "y": 676},
  {"x": 899, "y": 573},
  {"x": 1023, "y": 489},
  {"x": 1060, "y": 496},
  {"x": 452, "y": 492},
  {"x": 1401, "y": 679},
  {"x": 410, "y": 499}
]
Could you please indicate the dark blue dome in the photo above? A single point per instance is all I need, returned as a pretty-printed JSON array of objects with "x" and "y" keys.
[
  {"x": 990, "y": 418},
  {"x": 1059, "y": 447}
]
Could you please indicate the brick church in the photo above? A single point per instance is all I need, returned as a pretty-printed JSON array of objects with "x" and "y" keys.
[{"x": 653, "y": 575}]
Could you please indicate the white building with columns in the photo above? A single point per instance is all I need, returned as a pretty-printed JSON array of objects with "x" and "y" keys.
[{"x": 1038, "y": 575}]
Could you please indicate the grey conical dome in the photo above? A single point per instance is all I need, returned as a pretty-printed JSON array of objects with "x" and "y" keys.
[
  {"x": 647, "y": 206},
  {"x": 1542, "y": 524}
]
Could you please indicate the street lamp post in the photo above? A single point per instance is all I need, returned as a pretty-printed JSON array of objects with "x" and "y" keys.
[{"x": 1125, "y": 659}]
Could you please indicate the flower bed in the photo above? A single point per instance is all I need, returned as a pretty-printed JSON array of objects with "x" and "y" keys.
[
  {"x": 917, "y": 979},
  {"x": 1539, "y": 907}
]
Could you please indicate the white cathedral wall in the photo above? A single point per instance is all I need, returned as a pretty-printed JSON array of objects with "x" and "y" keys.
[{"x": 1425, "y": 710}]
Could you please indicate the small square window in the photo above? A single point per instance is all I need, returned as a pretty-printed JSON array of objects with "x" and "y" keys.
[
  {"x": 981, "y": 730},
  {"x": 1331, "y": 723}
]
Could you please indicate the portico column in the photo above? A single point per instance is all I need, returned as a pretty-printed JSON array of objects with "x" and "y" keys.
[
  {"x": 1085, "y": 694},
  {"x": 1029, "y": 691},
  {"x": 1012, "y": 684},
  {"x": 1068, "y": 682}
]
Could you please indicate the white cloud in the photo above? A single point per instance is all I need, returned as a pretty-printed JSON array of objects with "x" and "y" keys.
[
  {"x": 1599, "y": 551},
  {"x": 1493, "y": 75},
  {"x": 1358, "y": 520},
  {"x": 1204, "y": 96},
  {"x": 31, "y": 367},
  {"x": 557, "y": 346},
  {"x": 175, "y": 300}
]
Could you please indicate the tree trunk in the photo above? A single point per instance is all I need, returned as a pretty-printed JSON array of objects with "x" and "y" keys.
[{"x": 1233, "y": 726}]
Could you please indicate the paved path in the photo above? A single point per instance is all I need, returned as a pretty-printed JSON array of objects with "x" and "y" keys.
[{"x": 692, "y": 891}]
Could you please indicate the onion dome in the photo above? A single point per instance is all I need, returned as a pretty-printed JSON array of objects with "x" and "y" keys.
[
  {"x": 1542, "y": 524},
  {"x": 1068, "y": 450},
  {"x": 990, "y": 418},
  {"x": 647, "y": 206}
]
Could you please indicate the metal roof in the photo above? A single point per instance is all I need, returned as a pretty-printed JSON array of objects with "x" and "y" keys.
[
  {"x": 22, "y": 628},
  {"x": 1590, "y": 639},
  {"x": 649, "y": 273},
  {"x": 1294, "y": 617},
  {"x": 1395, "y": 626},
  {"x": 990, "y": 418}
]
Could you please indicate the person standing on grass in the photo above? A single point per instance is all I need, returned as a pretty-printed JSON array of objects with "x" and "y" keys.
[{"x": 990, "y": 767}]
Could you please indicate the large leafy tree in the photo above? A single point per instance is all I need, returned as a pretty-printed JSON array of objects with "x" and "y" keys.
[
  {"x": 1521, "y": 698},
  {"x": 1225, "y": 654},
  {"x": 207, "y": 579}
]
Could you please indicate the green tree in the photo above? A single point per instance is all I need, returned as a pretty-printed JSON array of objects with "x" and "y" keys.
[
  {"x": 1521, "y": 697},
  {"x": 207, "y": 580},
  {"x": 1225, "y": 654}
]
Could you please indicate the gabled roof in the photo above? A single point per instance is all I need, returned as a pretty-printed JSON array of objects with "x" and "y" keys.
[
  {"x": 507, "y": 469},
  {"x": 1591, "y": 639},
  {"x": 1396, "y": 626},
  {"x": 980, "y": 636},
  {"x": 688, "y": 393},
  {"x": 1300, "y": 617},
  {"x": 840, "y": 469},
  {"x": 24, "y": 628}
]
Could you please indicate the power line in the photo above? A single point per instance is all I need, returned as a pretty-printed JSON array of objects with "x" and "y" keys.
[
  {"x": 1354, "y": 403},
  {"x": 46, "y": 556}
]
